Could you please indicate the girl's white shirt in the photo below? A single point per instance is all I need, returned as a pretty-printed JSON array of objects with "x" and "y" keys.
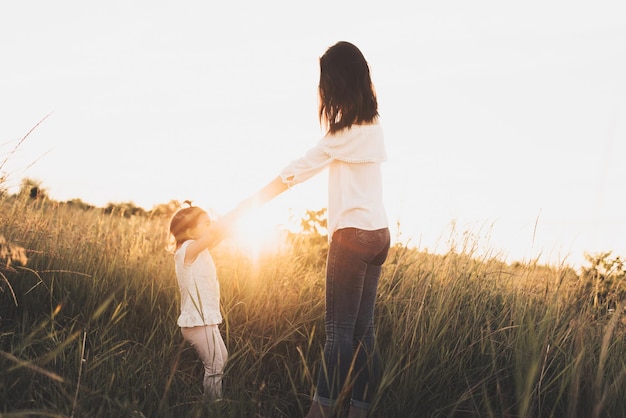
[
  {"x": 355, "y": 190},
  {"x": 199, "y": 289}
]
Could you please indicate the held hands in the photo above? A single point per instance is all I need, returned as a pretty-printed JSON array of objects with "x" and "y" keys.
[{"x": 226, "y": 224}]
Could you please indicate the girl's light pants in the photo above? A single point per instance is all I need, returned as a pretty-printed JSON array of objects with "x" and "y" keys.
[{"x": 211, "y": 349}]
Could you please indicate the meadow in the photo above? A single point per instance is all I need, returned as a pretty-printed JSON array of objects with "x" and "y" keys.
[{"x": 88, "y": 327}]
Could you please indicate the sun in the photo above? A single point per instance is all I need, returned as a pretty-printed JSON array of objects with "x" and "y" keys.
[{"x": 257, "y": 233}]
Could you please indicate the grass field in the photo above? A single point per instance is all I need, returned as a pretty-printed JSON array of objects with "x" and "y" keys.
[{"x": 88, "y": 328}]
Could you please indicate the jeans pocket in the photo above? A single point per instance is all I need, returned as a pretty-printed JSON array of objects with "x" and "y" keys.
[{"x": 369, "y": 237}]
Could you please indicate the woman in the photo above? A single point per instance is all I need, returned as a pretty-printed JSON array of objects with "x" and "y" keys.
[{"x": 353, "y": 150}]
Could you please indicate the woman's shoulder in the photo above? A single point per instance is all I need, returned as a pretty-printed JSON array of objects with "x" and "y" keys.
[
  {"x": 360, "y": 132},
  {"x": 359, "y": 143}
]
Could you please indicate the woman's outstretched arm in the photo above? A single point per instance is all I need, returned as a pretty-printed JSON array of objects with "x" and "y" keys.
[
  {"x": 225, "y": 225},
  {"x": 268, "y": 192}
]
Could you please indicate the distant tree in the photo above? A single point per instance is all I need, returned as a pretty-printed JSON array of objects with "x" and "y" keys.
[
  {"x": 605, "y": 280},
  {"x": 32, "y": 188},
  {"x": 313, "y": 236},
  {"x": 78, "y": 203},
  {"x": 165, "y": 209},
  {"x": 126, "y": 209}
]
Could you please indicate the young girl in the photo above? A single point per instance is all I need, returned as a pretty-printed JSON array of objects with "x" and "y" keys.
[
  {"x": 353, "y": 150},
  {"x": 194, "y": 234}
]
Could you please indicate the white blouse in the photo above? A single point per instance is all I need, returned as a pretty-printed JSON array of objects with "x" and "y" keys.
[
  {"x": 355, "y": 190},
  {"x": 199, "y": 289}
]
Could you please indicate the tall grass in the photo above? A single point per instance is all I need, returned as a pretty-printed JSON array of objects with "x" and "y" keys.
[{"x": 92, "y": 330}]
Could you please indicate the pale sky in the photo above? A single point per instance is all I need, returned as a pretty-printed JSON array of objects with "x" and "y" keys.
[{"x": 505, "y": 119}]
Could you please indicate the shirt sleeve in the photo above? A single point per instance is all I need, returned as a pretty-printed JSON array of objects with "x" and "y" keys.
[{"x": 302, "y": 169}]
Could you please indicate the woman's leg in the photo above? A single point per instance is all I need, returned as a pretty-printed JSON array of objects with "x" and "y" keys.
[
  {"x": 344, "y": 272},
  {"x": 366, "y": 360},
  {"x": 211, "y": 349},
  {"x": 347, "y": 288}
]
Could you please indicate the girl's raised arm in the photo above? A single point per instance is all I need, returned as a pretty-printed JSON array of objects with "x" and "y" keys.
[{"x": 220, "y": 229}]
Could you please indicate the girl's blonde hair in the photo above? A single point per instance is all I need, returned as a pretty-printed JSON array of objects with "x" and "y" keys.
[{"x": 180, "y": 223}]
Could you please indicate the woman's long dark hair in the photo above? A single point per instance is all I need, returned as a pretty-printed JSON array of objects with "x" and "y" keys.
[{"x": 347, "y": 95}]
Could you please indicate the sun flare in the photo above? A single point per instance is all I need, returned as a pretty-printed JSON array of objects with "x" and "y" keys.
[{"x": 257, "y": 234}]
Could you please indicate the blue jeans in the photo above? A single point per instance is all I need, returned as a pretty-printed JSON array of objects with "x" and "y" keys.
[{"x": 353, "y": 268}]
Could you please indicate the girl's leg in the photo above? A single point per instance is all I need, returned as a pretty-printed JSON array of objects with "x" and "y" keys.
[
  {"x": 211, "y": 349},
  {"x": 213, "y": 374}
]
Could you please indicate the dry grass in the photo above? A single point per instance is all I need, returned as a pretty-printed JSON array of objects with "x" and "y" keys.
[{"x": 90, "y": 329}]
